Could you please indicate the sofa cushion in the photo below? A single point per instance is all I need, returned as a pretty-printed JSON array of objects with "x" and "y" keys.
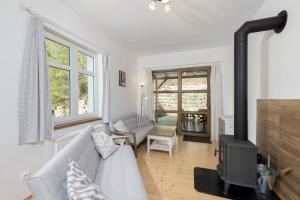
[
  {"x": 141, "y": 133},
  {"x": 143, "y": 121},
  {"x": 119, "y": 177},
  {"x": 104, "y": 144},
  {"x": 120, "y": 126},
  {"x": 79, "y": 186},
  {"x": 129, "y": 121}
]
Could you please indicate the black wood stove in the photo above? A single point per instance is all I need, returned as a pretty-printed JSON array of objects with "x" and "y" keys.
[
  {"x": 237, "y": 155},
  {"x": 237, "y": 162}
]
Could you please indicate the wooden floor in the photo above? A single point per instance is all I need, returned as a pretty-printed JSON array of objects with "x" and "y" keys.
[{"x": 173, "y": 179}]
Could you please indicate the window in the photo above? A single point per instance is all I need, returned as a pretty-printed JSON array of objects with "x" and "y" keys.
[{"x": 73, "y": 77}]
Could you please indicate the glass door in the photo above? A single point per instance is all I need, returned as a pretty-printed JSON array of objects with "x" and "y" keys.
[
  {"x": 165, "y": 97},
  {"x": 195, "y": 102},
  {"x": 181, "y": 98}
]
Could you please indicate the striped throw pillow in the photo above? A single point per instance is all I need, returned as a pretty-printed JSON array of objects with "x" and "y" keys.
[
  {"x": 80, "y": 187},
  {"x": 142, "y": 121}
]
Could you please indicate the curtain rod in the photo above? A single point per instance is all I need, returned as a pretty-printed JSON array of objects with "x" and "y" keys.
[{"x": 61, "y": 28}]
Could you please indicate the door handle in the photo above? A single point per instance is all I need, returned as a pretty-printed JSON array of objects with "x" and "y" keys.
[{"x": 216, "y": 151}]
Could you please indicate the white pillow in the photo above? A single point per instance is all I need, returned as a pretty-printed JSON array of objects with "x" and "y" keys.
[
  {"x": 79, "y": 186},
  {"x": 104, "y": 144},
  {"x": 120, "y": 126}
]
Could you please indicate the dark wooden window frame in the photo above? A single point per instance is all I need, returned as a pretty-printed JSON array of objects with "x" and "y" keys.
[{"x": 179, "y": 91}]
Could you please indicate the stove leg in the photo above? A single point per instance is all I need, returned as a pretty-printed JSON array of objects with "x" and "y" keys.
[{"x": 226, "y": 187}]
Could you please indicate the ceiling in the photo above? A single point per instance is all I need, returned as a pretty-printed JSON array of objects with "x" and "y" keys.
[{"x": 191, "y": 24}]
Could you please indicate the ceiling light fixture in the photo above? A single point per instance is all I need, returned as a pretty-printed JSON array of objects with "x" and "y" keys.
[
  {"x": 152, "y": 5},
  {"x": 165, "y": 3},
  {"x": 167, "y": 7}
]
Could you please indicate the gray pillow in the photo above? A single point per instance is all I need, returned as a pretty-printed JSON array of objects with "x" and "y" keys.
[
  {"x": 104, "y": 144},
  {"x": 120, "y": 126},
  {"x": 142, "y": 121}
]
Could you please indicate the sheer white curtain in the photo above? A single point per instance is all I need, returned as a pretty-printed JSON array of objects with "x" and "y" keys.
[
  {"x": 150, "y": 95},
  {"x": 105, "y": 88},
  {"x": 35, "y": 113},
  {"x": 216, "y": 99}
]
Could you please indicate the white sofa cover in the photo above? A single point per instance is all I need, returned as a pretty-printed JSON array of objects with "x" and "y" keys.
[{"x": 118, "y": 175}]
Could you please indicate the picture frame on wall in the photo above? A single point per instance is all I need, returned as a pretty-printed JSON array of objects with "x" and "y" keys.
[{"x": 122, "y": 78}]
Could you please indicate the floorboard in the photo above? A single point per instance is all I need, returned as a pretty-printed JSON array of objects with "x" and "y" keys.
[{"x": 173, "y": 179}]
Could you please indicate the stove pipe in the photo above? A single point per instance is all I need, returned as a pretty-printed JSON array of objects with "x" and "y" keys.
[{"x": 240, "y": 67}]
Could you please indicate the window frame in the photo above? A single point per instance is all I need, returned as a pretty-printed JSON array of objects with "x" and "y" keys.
[{"x": 74, "y": 70}]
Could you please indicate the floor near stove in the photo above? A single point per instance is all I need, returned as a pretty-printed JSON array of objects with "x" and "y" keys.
[{"x": 207, "y": 181}]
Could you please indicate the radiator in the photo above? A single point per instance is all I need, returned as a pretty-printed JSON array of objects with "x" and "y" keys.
[{"x": 61, "y": 142}]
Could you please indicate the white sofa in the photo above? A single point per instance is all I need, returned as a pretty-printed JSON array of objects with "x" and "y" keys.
[
  {"x": 136, "y": 135},
  {"x": 118, "y": 175}
]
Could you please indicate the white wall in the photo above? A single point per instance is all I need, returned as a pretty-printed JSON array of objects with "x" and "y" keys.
[
  {"x": 274, "y": 65},
  {"x": 224, "y": 55},
  {"x": 15, "y": 159}
]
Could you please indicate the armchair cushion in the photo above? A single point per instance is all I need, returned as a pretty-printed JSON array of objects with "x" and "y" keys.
[
  {"x": 120, "y": 126},
  {"x": 128, "y": 120},
  {"x": 143, "y": 121},
  {"x": 141, "y": 133}
]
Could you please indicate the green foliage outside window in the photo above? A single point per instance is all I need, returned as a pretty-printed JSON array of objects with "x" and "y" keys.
[
  {"x": 82, "y": 60},
  {"x": 57, "y": 52},
  {"x": 85, "y": 63},
  {"x": 60, "y": 91},
  {"x": 60, "y": 78}
]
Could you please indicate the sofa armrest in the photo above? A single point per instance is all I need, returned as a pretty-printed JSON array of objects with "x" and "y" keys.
[{"x": 130, "y": 134}]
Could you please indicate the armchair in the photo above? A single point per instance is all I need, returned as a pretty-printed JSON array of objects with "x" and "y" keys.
[{"x": 136, "y": 134}]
